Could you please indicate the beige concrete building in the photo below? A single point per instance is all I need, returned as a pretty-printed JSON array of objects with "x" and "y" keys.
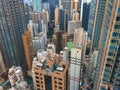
[
  {"x": 56, "y": 15},
  {"x": 49, "y": 71}
]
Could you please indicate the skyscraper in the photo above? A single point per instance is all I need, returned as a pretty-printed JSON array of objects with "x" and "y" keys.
[
  {"x": 108, "y": 64},
  {"x": 98, "y": 24},
  {"x": 56, "y": 15},
  {"x": 92, "y": 16},
  {"x": 37, "y": 5},
  {"x": 75, "y": 68},
  {"x": 12, "y": 22},
  {"x": 85, "y": 16},
  {"x": 28, "y": 46}
]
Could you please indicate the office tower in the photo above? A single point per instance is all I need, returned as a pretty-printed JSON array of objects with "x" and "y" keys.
[
  {"x": 37, "y": 5},
  {"x": 72, "y": 25},
  {"x": 56, "y": 15},
  {"x": 45, "y": 18},
  {"x": 2, "y": 64},
  {"x": 92, "y": 17},
  {"x": 13, "y": 25},
  {"x": 60, "y": 41},
  {"x": 75, "y": 68},
  {"x": 29, "y": 50},
  {"x": 92, "y": 64},
  {"x": 85, "y": 16},
  {"x": 15, "y": 74},
  {"x": 107, "y": 71},
  {"x": 39, "y": 42},
  {"x": 49, "y": 71},
  {"x": 100, "y": 10}
]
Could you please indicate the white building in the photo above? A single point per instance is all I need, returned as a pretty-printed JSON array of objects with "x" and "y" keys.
[
  {"x": 15, "y": 74},
  {"x": 75, "y": 68}
]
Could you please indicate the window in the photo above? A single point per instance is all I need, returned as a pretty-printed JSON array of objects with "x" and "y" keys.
[
  {"x": 117, "y": 27},
  {"x": 60, "y": 79},
  {"x": 60, "y": 88},
  {"x": 37, "y": 77},
  {"x": 115, "y": 34},
  {"x": 119, "y": 10},
  {"x": 112, "y": 48},
  {"x": 118, "y": 19}
]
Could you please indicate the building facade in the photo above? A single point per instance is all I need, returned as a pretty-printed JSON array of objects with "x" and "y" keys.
[
  {"x": 107, "y": 71},
  {"x": 85, "y": 16},
  {"x": 92, "y": 15},
  {"x": 29, "y": 50},
  {"x": 13, "y": 25},
  {"x": 49, "y": 71}
]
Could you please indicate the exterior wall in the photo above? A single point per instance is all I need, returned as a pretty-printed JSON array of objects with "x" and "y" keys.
[
  {"x": 28, "y": 46},
  {"x": 13, "y": 25},
  {"x": 56, "y": 15},
  {"x": 109, "y": 49},
  {"x": 75, "y": 66}
]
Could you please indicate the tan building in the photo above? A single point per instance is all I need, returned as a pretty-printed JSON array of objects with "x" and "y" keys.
[
  {"x": 49, "y": 71},
  {"x": 76, "y": 16},
  {"x": 56, "y": 15},
  {"x": 28, "y": 46},
  {"x": 2, "y": 64}
]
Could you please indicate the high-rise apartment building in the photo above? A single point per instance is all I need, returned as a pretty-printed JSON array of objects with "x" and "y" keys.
[
  {"x": 13, "y": 25},
  {"x": 29, "y": 50},
  {"x": 85, "y": 16},
  {"x": 37, "y": 5},
  {"x": 92, "y": 17},
  {"x": 50, "y": 72},
  {"x": 75, "y": 68},
  {"x": 108, "y": 65}
]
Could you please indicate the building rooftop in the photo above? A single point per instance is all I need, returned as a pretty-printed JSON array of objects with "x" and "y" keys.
[{"x": 49, "y": 62}]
